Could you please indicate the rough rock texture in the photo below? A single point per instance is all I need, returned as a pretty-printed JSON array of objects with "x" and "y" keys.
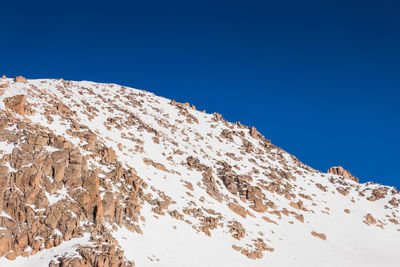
[
  {"x": 16, "y": 103},
  {"x": 342, "y": 172},
  {"x": 20, "y": 79}
]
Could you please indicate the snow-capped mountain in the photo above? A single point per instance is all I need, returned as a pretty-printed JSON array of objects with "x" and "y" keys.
[{"x": 104, "y": 175}]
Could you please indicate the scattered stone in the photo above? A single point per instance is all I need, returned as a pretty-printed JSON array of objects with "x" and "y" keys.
[{"x": 319, "y": 235}]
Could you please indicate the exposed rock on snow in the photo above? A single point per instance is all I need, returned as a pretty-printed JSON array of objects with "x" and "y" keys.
[
  {"x": 20, "y": 79},
  {"x": 342, "y": 172},
  {"x": 104, "y": 175},
  {"x": 16, "y": 103}
]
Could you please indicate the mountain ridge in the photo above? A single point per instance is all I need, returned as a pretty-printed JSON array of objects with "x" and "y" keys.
[{"x": 131, "y": 171}]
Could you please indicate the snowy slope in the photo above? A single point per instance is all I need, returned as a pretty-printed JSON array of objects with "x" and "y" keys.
[{"x": 214, "y": 193}]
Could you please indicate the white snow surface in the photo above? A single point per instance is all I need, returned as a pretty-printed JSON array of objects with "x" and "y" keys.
[{"x": 166, "y": 241}]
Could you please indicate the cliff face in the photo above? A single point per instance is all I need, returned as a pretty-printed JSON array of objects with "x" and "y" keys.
[{"x": 103, "y": 175}]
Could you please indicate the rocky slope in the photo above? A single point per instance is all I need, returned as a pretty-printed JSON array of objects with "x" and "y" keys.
[{"x": 104, "y": 175}]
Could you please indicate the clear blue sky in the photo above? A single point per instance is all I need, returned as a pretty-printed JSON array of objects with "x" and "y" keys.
[{"x": 321, "y": 79}]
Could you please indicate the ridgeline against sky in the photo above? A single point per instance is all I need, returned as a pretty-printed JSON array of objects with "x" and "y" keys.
[{"x": 322, "y": 80}]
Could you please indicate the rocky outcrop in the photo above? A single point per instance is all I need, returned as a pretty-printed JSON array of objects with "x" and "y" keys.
[
  {"x": 16, "y": 103},
  {"x": 20, "y": 79},
  {"x": 53, "y": 192},
  {"x": 188, "y": 169},
  {"x": 342, "y": 172}
]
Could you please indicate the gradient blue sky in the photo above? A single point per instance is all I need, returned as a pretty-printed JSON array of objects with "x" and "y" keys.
[{"x": 321, "y": 79}]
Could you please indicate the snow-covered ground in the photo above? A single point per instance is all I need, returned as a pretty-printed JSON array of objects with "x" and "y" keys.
[{"x": 138, "y": 125}]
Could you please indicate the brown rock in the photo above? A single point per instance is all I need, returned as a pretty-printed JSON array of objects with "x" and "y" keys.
[
  {"x": 294, "y": 205},
  {"x": 253, "y": 132},
  {"x": 321, "y": 187},
  {"x": 16, "y": 103},
  {"x": 36, "y": 244},
  {"x": 75, "y": 157},
  {"x": 20, "y": 79},
  {"x": 300, "y": 218},
  {"x": 342, "y": 172},
  {"x": 319, "y": 235},
  {"x": 108, "y": 205},
  {"x": 11, "y": 255},
  {"x": 237, "y": 248},
  {"x": 370, "y": 219},
  {"x": 109, "y": 155},
  {"x": 236, "y": 208},
  {"x": 5, "y": 242},
  {"x": 259, "y": 205},
  {"x": 269, "y": 220},
  {"x": 59, "y": 170}
]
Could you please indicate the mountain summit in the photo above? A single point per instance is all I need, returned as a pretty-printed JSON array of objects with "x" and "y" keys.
[{"x": 105, "y": 175}]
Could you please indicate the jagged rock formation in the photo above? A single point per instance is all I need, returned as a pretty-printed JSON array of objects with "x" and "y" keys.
[
  {"x": 342, "y": 172},
  {"x": 103, "y": 175}
]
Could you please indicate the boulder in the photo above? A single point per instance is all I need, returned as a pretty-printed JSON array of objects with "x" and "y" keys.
[
  {"x": 20, "y": 79},
  {"x": 16, "y": 103}
]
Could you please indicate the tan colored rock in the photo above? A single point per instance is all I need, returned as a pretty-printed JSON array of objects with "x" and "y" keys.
[
  {"x": 319, "y": 235},
  {"x": 109, "y": 155},
  {"x": 294, "y": 205},
  {"x": 5, "y": 242},
  {"x": 108, "y": 205},
  {"x": 75, "y": 157},
  {"x": 269, "y": 220},
  {"x": 300, "y": 218},
  {"x": 156, "y": 165},
  {"x": 3, "y": 77},
  {"x": 189, "y": 186},
  {"x": 370, "y": 219},
  {"x": 20, "y": 79},
  {"x": 321, "y": 187},
  {"x": 236, "y": 208},
  {"x": 11, "y": 255},
  {"x": 342, "y": 172},
  {"x": 1, "y": 92},
  {"x": 259, "y": 206},
  {"x": 237, "y": 248},
  {"x": 254, "y": 133},
  {"x": 16, "y": 103},
  {"x": 59, "y": 170}
]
